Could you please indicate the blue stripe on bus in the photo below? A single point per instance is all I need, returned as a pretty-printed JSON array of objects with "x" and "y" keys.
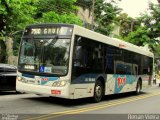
[{"x": 27, "y": 75}]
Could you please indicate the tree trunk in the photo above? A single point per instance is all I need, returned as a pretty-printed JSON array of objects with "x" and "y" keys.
[{"x": 11, "y": 59}]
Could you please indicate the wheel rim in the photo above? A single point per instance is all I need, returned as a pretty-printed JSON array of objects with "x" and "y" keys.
[{"x": 98, "y": 92}]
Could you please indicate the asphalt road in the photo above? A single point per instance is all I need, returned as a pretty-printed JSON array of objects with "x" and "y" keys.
[{"x": 122, "y": 106}]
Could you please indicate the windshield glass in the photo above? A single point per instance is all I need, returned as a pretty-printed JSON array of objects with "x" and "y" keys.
[{"x": 44, "y": 56}]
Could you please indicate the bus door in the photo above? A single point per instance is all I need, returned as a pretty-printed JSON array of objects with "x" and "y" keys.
[{"x": 135, "y": 69}]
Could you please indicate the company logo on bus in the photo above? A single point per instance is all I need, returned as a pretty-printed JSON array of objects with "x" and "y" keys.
[
  {"x": 122, "y": 46},
  {"x": 121, "y": 81},
  {"x": 44, "y": 79}
]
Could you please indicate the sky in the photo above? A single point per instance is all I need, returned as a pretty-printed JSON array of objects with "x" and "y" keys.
[{"x": 134, "y": 7}]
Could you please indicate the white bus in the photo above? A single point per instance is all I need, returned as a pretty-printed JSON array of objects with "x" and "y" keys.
[{"x": 69, "y": 61}]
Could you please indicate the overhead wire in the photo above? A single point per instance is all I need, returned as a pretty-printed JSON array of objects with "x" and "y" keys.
[{"x": 63, "y": 10}]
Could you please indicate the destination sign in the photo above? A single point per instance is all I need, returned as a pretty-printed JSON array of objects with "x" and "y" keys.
[
  {"x": 49, "y": 31},
  {"x": 44, "y": 31}
]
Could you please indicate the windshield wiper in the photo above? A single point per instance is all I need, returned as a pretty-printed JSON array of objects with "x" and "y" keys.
[{"x": 50, "y": 42}]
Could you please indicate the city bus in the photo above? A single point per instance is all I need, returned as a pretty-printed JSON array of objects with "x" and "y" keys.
[{"x": 69, "y": 61}]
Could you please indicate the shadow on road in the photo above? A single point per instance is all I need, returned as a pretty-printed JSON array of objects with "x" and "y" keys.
[
  {"x": 2, "y": 93},
  {"x": 79, "y": 102}
]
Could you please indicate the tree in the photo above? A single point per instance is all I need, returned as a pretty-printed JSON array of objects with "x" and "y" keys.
[
  {"x": 105, "y": 16},
  {"x": 127, "y": 24},
  {"x": 63, "y": 7},
  {"x": 140, "y": 37},
  {"x": 52, "y": 17},
  {"x": 85, "y": 4},
  {"x": 15, "y": 15},
  {"x": 63, "y": 12},
  {"x": 143, "y": 30},
  {"x": 152, "y": 20}
]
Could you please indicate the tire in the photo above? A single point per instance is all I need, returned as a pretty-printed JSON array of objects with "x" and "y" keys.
[
  {"x": 98, "y": 91},
  {"x": 139, "y": 87}
]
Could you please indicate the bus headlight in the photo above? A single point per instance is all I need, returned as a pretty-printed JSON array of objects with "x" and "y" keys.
[
  {"x": 59, "y": 83},
  {"x": 19, "y": 78}
]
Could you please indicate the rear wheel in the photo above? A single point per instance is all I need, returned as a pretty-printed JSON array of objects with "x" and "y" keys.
[{"x": 98, "y": 91}]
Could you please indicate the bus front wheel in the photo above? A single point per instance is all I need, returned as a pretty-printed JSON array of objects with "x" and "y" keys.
[{"x": 98, "y": 91}]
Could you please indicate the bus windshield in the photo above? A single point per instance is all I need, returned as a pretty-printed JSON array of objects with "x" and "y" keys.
[{"x": 44, "y": 56}]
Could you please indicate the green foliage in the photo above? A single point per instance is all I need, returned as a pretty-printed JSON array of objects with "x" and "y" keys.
[
  {"x": 152, "y": 20},
  {"x": 127, "y": 24},
  {"x": 142, "y": 30},
  {"x": 49, "y": 11},
  {"x": 52, "y": 17},
  {"x": 139, "y": 37},
  {"x": 105, "y": 16},
  {"x": 63, "y": 7},
  {"x": 15, "y": 15},
  {"x": 156, "y": 49}
]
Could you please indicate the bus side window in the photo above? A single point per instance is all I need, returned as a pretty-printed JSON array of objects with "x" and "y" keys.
[
  {"x": 109, "y": 59},
  {"x": 77, "y": 56},
  {"x": 135, "y": 69},
  {"x": 82, "y": 54},
  {"x": 120, "y": 67}
]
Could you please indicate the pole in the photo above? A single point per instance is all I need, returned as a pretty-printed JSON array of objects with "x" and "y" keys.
[{"x": 92, "y": 22}]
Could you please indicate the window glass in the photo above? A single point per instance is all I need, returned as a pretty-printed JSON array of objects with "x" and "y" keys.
[
  {"x": 49, "y": 56},
  {"x": 87, "y": 56},
  {"x": 109, "y": 59}
]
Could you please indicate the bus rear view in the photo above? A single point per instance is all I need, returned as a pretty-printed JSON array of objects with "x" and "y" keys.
[{"x": 43, "y": 65}]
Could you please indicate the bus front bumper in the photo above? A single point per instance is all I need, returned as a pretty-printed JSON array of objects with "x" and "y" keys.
[{"x": 62, "y": 92}]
